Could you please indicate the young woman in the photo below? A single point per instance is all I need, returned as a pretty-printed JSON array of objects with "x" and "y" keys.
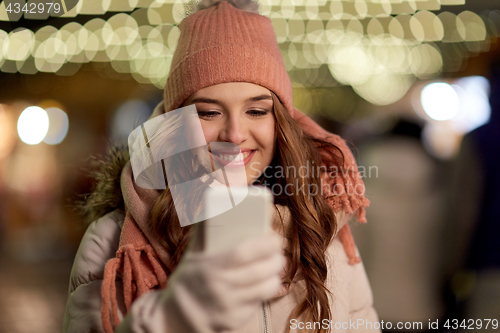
[{"x": 134, "y": 270}]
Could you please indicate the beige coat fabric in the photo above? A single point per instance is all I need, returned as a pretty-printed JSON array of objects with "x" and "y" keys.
[{"x": 351, "y": 302}]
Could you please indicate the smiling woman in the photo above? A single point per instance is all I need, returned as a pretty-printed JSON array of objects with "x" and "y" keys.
[
  {"x": 240, "y": 113},
  {"x": 135, "y": 272}
]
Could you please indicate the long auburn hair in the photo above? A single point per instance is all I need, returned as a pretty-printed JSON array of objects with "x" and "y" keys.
[{"x": 312, "y": 225}]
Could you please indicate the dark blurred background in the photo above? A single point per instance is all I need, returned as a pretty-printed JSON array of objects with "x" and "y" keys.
[{"x": 413, "y": 85}]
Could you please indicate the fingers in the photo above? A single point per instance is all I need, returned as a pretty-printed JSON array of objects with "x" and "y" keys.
[
  {"x": 258, "y": 292},
  {"x": 257, "y": 271},
  {"x": 227, "y": 287}
]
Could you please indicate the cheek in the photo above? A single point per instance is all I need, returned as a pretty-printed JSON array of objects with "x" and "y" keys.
[
  {"x": 265, "y": 135},
  {"x": 210, "y": 131}
]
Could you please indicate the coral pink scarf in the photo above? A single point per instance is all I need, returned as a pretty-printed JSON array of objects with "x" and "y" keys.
[{"x": 141, "y": 261}]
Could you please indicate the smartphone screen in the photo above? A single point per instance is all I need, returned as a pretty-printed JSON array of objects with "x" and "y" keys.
[{"x": 249, "y": 218}]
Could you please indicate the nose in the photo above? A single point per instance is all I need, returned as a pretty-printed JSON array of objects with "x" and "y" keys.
[{"x": 234, "y": 130}]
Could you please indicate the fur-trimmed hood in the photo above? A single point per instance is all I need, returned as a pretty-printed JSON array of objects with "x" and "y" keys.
[{"x": 106, "y": 195}]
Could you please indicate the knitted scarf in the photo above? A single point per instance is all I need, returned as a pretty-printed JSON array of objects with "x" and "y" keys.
[{"x": 141, "y": 261}]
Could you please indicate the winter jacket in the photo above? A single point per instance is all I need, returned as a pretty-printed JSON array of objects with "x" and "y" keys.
[{"x": 351, "y": 304}]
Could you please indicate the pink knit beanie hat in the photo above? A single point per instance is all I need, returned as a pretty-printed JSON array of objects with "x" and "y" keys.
[{"x": 221, "y": 43}]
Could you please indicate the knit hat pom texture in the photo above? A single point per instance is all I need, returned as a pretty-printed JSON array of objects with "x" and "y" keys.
[{"x": 246, "y": 5}]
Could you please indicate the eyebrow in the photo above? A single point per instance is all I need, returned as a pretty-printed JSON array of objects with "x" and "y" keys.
[{"x": 214, "y": 101}]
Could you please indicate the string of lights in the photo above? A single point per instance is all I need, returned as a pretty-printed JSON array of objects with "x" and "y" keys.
[{"x": 379, "y": 47}]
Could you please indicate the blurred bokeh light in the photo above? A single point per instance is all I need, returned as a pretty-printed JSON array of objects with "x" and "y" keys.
[
  {"x": 440, "y": 101},
  {"x": 58, "y": 126},
  {"x": 371, "y": 45},
  {"x": 33, "y": 125}
]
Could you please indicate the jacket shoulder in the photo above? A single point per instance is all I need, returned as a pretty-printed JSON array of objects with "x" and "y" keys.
[{"x": 98, "y": 245}]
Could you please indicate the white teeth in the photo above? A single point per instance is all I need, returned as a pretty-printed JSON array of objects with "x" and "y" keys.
[{"x": 237, "y": 157}]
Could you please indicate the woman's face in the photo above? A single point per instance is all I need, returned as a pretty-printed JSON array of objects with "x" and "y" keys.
[{"x": 240, "y": 113}]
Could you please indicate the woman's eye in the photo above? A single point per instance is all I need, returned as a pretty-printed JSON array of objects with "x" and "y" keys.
[
  {"x": 258, "y": 113},
  {"x": 207, "y": 114}
]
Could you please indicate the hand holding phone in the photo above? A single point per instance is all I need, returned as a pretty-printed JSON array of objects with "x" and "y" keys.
[{"x": 227, "y": 278}]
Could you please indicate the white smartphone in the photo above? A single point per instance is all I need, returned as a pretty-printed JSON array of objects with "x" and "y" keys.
[{"x": 250, "y": 217}]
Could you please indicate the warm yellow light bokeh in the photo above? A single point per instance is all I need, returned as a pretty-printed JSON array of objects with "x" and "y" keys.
[{"x": 359, "y": 41}]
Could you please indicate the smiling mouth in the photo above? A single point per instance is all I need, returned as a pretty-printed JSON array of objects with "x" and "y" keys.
[{"x": 232, "y": 157}]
